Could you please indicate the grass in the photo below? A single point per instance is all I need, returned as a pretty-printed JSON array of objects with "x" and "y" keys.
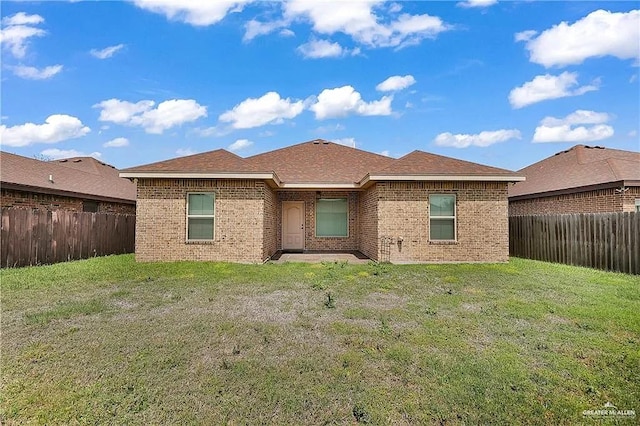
[{"x": 108, "y": 340}]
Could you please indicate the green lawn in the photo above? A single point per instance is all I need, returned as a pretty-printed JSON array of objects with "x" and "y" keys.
[{"x": 108, "y": 340}]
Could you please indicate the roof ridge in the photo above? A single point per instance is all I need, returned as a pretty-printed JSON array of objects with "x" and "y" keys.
[
  {"x": 50, "y": 175},
  {"x": 52, "y": 163},
  {"x": 317, "y": 141},
  {"x": 614, "y": 169}
]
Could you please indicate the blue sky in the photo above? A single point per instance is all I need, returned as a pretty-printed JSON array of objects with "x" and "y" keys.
[{"x": 499, "y": 83}]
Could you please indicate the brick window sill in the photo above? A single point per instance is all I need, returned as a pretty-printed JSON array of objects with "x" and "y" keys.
[
  {"x": 443, "y": 243},
  {"x": 203, "y": 242}
]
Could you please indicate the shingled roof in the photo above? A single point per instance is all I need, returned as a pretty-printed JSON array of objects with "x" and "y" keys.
[
  {"x": 579, "y": 168},
  {"x": 218, "y": 161},
  {"x": 425, "y": 163},
  {"x": 82, "y": 177},
  {"x": 321, "y": 163}
]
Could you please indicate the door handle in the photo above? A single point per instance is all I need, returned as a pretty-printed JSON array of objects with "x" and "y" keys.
[{"x": 302, "y": 226}]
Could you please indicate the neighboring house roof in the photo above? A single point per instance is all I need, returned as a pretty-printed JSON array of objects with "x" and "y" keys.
[
  {"x": 579, "y": 168},
  {"x": 321, "y": 164},
  {"x": 82, "y": 177}
]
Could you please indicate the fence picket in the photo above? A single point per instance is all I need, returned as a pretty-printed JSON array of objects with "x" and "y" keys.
[
  {"x": 31, "y": 237},
  {"x": 608, "y": 241}
]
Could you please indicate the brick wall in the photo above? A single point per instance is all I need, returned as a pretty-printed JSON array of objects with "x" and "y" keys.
[
  {"x": 161, "y": 220},
  {"x": 482, "y": 222},
  {"x": 596, "y": 201},
  {"x": 321, "y": 243},
  {"x": 270, "y": 228},
  {"x": 248, "y": 223},
  {"x": 32, "y": 200},
  {"x": 106, "y": 207},
  {"x": 368, "y": 222}
]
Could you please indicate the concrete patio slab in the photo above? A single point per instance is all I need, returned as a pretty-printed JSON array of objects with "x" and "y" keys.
[{"x": 321, "y": 256}]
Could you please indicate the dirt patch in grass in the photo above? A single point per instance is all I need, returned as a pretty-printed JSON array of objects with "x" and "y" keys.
[{"x": 278, "y": 307}]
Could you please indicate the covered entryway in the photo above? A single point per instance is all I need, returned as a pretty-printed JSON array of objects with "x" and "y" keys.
[{"x": 293, "y": 225}]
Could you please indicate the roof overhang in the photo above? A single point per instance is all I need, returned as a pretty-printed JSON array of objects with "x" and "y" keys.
[
  {"x": 52, "y": 191},
  {"x": 269, "y": 176},
  {"x": 448, "y": 178},
  {"x": 276, "y": 183},
  {"x": 320, "y": 185},
  {"x": 567, "y": 191}
]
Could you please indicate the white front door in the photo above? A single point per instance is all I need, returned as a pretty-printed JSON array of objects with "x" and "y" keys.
[{"x": 292, "y": 225}]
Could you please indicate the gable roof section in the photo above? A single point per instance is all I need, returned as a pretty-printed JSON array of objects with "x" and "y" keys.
[
  {"x": 82, "y": 177},
  {"x": 218, "y": 161},
  {"x": 88, "y": 165},
  {"x": 426, "y": 166},
  {"x": 319, "y": 161},
  {"x": 579, "y": 168},
  {"x": 320, "y": 164},
  {"x": 218, "y": 164}
]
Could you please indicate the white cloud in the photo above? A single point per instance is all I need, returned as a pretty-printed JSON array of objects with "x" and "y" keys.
[
  {"x": 193, "y": 12},
  {"x": 358, "y": 20},
  {"x": 632, "y": 133},
  {"x": 482, "y": 139},
  {"x": 477, "y": 3},
  {"x": 240, "y": 144},
  {"x": 386, "y": 153},
  {"x": 56, "y": 128},
  {"x": 287, "y": 33},
  {"x": 346, "y": 142},
  {"x": 342, "y": 101},
  {"x": 116, "y": 143},
  {"x": 315, "y": 49},
  {"x": 22, "y": 18},
  {"x": 17, "y": 32},
  {"x": 396, "y": 83},
  {"x": 255, "y": 112},
  {"x": 121, "y": 112},
  {"x": 183, "y": 152},
  {"x": 544, "y": 87},
  {"x": 601, "y": 33},
  {"x": 525, "y": 35},
  {"x": 253, "y": 29},
  {"x": 33, "y": 73},
  {"x": 166, "y": 115},
  {"x": 578, "y": 117},
  {"x": 395, "y": 8},
  {"x": 57, "y": 154},
  {"x": 107, "y": 52},
  {"x": 579, "y": 126}
]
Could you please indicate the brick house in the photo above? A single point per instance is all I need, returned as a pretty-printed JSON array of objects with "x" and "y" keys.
[
  {"x": 582, "y": 179},
  {"x": 317, "y": 196},
  {"x": 75, "y": 184}
]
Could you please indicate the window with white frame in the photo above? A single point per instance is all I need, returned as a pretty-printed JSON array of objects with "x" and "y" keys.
[
  {"x": 332, "y": 217},
  {"x": 442, "y": 217},
  {"x": 638, "y": 205},
  {"x": 201, "y": 216}
]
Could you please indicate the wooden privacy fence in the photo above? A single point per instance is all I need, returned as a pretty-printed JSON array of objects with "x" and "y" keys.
[
  {"x": 609, "y": 241},
  {"x": 35, "y": 237}
]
